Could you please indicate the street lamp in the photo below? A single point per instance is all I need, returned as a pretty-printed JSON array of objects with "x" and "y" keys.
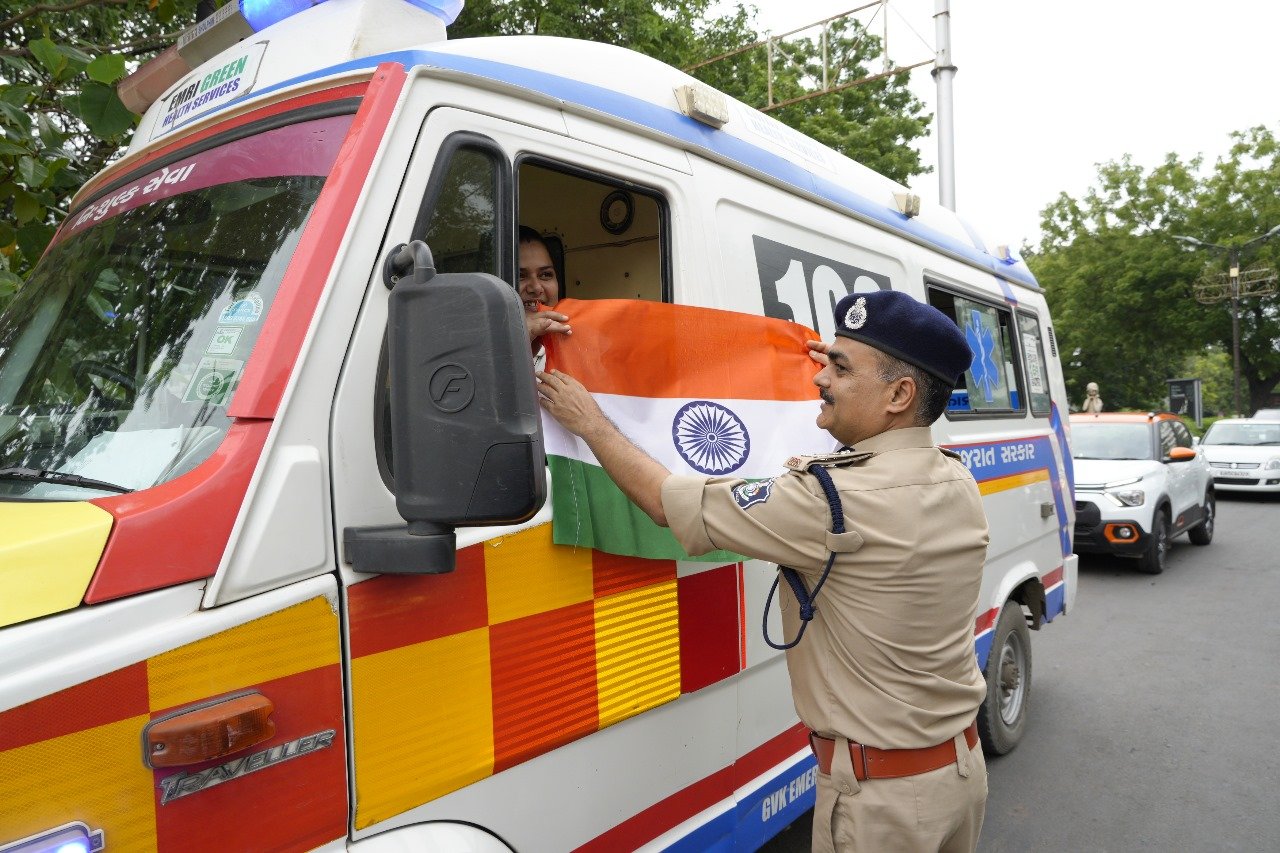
[{"x": 1233, "y": 293}]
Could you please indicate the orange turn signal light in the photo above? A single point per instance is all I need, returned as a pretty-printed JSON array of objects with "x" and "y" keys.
[
  {"x": 1120, "y": 532},
  {"x": 209, "y": 730}
]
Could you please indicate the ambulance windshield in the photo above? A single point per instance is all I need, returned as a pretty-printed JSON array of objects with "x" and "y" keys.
[{"x": 119, "y": 355}]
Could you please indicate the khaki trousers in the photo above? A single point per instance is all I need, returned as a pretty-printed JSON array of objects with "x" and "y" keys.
[{"x": 940, "y": 810}]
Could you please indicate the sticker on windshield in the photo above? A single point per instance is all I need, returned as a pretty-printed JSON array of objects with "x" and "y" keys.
[
  {"x": 247, "y": 309},
  {"x": 213, "y": 381},
  {"x": 1031, "y": 350},
  {"x": 224, "y": 340}
]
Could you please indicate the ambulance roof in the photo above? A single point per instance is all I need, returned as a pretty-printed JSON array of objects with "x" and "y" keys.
[{"x": 615, "y": 83}]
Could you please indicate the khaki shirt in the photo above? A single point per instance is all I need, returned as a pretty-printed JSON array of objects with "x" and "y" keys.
[{"x": 888, "y": 659}]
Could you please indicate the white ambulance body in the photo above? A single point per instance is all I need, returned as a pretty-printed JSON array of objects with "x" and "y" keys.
[{"x": 189, "y": 658}]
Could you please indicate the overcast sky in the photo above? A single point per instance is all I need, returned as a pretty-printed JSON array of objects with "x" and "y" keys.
[{"x": 1045, "y": 90}]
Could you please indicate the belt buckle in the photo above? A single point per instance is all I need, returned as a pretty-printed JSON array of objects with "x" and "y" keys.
[{"x": 866, "y": 767}]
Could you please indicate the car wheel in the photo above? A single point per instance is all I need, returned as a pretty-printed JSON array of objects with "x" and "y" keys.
[
  {"x": 1002, "y": 719},
  {"x": 1152, "y": 560},
  {"x": 1202, "y": 533}
]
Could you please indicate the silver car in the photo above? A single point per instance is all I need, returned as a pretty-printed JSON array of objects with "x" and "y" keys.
[{"x": 1244, "y": 454}]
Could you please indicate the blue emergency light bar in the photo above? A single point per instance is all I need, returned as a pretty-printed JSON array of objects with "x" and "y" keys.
[{"x": 261, "y": 14}]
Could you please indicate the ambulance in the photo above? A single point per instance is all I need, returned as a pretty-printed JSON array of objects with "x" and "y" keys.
[{"x": 276, "y": 569}]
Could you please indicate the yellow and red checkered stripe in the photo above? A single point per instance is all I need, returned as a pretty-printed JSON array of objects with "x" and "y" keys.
[
  {"x": 76, "y": 755},
  {"x": 526, "y": 646}
]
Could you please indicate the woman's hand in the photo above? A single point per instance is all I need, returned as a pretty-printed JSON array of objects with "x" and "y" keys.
[{"x": 546, "y": 323}]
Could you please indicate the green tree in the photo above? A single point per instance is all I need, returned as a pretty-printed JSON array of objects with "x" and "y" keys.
[
  {"x": 875, "y": 123},
  {"x": 1123, "y": 290},
  {"x": 1238, "y": 201},
  {"x": 60, "y": 117},
  {"x": 1119, "y": 288}
]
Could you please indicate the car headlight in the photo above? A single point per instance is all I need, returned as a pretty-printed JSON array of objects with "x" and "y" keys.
[
  {"x": 1272, "y": 464},
  {"x": 1128, "y": 497}
]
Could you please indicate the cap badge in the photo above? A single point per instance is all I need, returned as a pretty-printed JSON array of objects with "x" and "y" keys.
[{"x": 856, "y": 317}]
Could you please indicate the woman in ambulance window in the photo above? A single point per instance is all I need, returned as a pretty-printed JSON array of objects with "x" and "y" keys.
[{"x": 539, "y": 288}]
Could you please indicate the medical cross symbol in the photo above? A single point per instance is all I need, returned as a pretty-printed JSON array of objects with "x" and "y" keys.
[{"x": 986, "y": 372}]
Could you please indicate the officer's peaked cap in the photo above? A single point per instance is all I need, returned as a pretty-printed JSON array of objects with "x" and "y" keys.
[{"x": 897, "y": 324}]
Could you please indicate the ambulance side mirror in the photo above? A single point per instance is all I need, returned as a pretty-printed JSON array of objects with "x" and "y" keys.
[{"x": 465, "y": 422}]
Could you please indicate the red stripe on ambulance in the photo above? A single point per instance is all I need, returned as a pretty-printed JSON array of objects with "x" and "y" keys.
[{"x": 701, "y": 795}]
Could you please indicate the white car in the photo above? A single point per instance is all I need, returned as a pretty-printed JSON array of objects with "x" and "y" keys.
[
  {"x": 1139, "y": 483},
  {"x": 1244, "y": 454}
]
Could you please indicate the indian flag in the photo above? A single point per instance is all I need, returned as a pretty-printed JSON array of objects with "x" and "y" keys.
[{"x": 702, "y": 391}]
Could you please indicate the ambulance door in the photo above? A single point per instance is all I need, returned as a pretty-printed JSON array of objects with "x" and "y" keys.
[
  {"x": 999, "y": 419},
  {"x": 531, "y": 675}
]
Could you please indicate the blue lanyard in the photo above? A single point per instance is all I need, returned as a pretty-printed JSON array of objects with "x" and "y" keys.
[{"x": 802, "y": 594}]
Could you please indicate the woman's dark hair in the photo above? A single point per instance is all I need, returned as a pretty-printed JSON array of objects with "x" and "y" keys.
[{"x": 530, "y": 235}]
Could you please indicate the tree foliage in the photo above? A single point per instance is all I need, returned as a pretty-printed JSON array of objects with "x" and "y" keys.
[
  {"x": 60, "y": 117},
  {"x": 875, "y": 123},
  {"x": 1122, "y": 290}
]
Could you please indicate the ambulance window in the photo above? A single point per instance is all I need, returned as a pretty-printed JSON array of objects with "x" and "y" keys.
[
  {"x": 606, "y": 236},
  {"x": 991, "y": 385},
  {"x": 1033, "y": 358}
]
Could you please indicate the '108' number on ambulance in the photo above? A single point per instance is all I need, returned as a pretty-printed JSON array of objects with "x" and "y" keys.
[{"x": 803, "y": 287}]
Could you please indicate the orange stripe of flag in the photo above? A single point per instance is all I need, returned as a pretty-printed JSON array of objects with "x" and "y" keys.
[{"x": 653, "y": 349}]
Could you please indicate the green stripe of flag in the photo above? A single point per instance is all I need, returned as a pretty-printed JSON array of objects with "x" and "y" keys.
[{"x": 590, "y": 511}]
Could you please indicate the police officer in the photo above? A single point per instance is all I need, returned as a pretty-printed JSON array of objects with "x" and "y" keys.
[{"x": 885, "y": 676}]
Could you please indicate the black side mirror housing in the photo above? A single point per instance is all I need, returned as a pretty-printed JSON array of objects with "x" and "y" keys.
[{"x": 465, "y": 422}]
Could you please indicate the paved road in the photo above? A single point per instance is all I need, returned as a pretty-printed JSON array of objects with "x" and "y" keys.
[{"x": 1156, "y": 716}]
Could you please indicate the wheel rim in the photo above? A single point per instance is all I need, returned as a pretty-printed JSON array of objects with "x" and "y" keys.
[
  {"x": 1012, "y": 683},
  {"x": 1210, "y": 511},
  {"x": 1162, "y": 541}
]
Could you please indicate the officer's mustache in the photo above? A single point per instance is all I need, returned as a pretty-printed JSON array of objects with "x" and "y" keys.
[{"x": 826, "y": 397}]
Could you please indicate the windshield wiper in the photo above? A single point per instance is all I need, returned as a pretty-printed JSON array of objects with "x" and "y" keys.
[{"x": 40, "y": 475}]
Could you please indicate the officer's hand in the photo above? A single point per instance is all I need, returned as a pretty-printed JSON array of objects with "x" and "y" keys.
[
  {"x": 818, "y": 351},
  {"x": 546, "y": 323},
  {"x": 568, "y": 401}
]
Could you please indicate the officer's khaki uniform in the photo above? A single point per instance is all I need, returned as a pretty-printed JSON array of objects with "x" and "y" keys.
[{"x": 888, "y": 660}]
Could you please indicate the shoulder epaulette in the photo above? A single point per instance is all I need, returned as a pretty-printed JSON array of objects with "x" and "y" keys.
[{"x": 826, "y": 460}]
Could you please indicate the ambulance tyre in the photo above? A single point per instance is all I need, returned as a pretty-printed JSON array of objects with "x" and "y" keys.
[{"x": 1002, "y": 719}]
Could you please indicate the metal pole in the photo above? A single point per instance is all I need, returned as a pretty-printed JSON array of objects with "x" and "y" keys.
[
  {"x": 1234, "y": 272},
  {"x": 943, "y": 72},
  {"x": 769, "y": 72},
  {"x": 826, "y": 80},
  {"x": 884, "y": 47}
]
